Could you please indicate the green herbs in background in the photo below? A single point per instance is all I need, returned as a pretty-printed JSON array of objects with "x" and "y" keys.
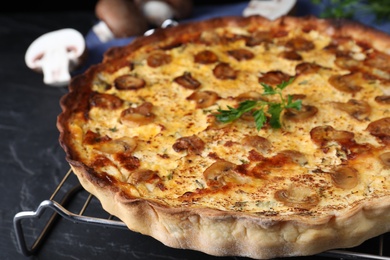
[
  {"x": 347, "y": 8},
  {"x": 260, "y": 109}
]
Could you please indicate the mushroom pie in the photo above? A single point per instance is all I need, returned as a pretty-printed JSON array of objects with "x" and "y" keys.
[{"x": 239, "y": 136}]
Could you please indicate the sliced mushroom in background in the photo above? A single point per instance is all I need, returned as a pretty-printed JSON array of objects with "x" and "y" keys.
[
  {"x": 129, "y": 82},
  {"x": 322, "y": 135},
  {"x": 385, "y": 159},
  {"x": 206, "y": 57},
  {"x": 345, "y": 177},
  {"x": 120, "y": 145},
  {"x": 258, "y": 38},
  {"x": 187, "y": 81},
  {"x": 260, "y": 143},
  {"x": 350, "y": 83},
  {"x": 300, "y": 44},
  {"x": 304, "y": 113},
  {"x": 241, "y": 54},
  {"x": 143, "y": 176},
  {"x": 295, "y": 97},
  {"x": 291, "y": 55},
  {"x": 384, "y": 99},
  {"x": 358, "y": 109},
  {"x": 56, "y": 54},
  {"x": 192, "y": 144},
  {"x": 224, "y": 71},
  {"x": 381, "y": 129},
  {"x": 378, "y": 60},
  {"x": 105, "y": 101},
  {"x": 298, "y": 197},
  {"x": 307, "y": 68},
  {"x": 137, "y": 116},
  {"x": 204, "y": 99},
  {"x": 347, "y": 62},
  {"x": 274, "y": 77},
  {"x": 158, "y": 58},
  {"x": 220, "y": 173}
]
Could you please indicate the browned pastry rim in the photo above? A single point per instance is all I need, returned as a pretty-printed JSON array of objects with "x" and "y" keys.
[{"x": 223, "y": 232}]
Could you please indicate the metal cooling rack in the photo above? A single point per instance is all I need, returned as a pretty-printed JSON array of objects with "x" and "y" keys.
[{"x": 58, "y": 206}]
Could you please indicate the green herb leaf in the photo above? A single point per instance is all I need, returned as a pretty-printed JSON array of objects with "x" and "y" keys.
[
  {"x": 260, "y": 118},
  {"x": 232, "y": 114},
  {"x": 259, "y": 109},
  {"x": 347, "y": 8},
  {"x": 268, "y": 90},
  {"x": 284, "y": 84},
  {"x": 297, "y": 104},
  {"x": 275, "y": 110}
]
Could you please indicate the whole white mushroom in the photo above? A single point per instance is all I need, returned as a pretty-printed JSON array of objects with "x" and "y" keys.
[{"x": 56, "y": 54}]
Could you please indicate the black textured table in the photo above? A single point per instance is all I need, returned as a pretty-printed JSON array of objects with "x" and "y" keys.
[{"x": 32, "y": 164}]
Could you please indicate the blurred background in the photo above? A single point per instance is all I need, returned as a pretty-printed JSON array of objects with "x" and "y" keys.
[{"x": 74, "y": 5}]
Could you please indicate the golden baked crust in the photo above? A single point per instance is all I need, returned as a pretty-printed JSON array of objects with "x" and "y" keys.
[{"x": 141, "y": 134}]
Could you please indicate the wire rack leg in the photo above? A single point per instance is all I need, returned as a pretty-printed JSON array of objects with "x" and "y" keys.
[
  {"x": 59, "y": 210},
  {"x": 19, "y": 217}
]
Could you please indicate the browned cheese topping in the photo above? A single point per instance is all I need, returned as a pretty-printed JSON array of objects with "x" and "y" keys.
[{"x": 150, "y": 126}]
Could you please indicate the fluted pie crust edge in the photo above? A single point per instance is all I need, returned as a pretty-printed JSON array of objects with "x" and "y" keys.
[{"x": 318, "y": 183}]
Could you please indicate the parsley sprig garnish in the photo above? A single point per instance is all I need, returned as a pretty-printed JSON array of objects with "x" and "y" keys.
[
  {"x": 347, "y": 8},
  {"x": 260, "y": 109}
]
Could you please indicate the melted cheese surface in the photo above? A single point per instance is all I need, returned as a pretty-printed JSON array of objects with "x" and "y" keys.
[{"x": 259, "y": 182}]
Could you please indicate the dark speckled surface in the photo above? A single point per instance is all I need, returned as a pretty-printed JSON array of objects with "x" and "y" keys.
[{"x": 32, "y": 163}]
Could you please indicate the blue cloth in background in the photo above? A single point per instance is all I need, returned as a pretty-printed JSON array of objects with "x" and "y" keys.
[{"x": 96, "y": 48}]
